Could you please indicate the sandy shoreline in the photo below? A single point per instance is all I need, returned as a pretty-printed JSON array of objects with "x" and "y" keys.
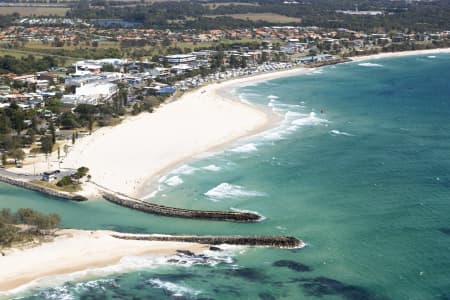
[
  {"x": 130, "y": 157},
  {"x": 400, "y": 54},
  {"x": 77, "y": 250}
]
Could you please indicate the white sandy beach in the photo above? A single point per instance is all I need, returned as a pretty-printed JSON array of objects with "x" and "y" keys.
[
  {"x": 400, "y": 54},
  {"x": 76, "y": 250},
  {"x": 128, "y": 157}
]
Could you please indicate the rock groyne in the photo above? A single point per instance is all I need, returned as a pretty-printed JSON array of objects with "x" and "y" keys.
[
  {"x": 41, "y": 189},
  {"x": 152, "y": 208},
  {"x": 256, "y": 240}
]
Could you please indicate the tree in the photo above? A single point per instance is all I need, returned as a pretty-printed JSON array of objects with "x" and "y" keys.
[
  {"x": 68, "y": 120},
  {"x": 81, "y": 172},
  {"x": 46, "y": 144},
  {"x": 65, "y": 181},
  {"x": 108, "y": 68},
  {"x": 52, "y": 131},
  {"x": 18, "y": 155},
  {"x": 4, "y": 158},
  {"x": 91, "y": 124},
  {"x": 166, "y": 42}
]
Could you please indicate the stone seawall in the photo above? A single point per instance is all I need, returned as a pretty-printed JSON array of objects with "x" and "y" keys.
[
  {"x": 257, "y": 240},
  {"x": 162, "y": 210},
  {"x": 41, "y": 189}
]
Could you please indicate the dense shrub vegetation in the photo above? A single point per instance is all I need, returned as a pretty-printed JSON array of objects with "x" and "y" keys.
[{"x": 36, "y": 223}]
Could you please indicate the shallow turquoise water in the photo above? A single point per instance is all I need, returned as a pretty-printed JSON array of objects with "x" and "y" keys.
[{"x": 365, "y": 184}]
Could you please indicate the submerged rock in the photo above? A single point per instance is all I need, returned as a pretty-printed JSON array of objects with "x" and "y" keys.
[
  {"x": 445, "y": 230},
  {"x": 266, "y": 296},
  {"x": 186, "y": 252},
  {"x": 292, "y": 265},
  {"x": 247, "y": 273},
  {"x": 214, "y": 248},
  {"x": 323, "y": 286}
]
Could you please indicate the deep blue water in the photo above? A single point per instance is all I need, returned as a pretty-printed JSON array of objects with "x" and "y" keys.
[{"x": 365, "y": 184}]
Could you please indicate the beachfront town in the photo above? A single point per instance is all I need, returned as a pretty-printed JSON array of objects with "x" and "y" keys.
[{"x": 129, "y": 70}]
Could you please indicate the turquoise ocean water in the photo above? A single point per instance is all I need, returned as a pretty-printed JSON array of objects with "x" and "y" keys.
[{"x": 366, "y": 184}]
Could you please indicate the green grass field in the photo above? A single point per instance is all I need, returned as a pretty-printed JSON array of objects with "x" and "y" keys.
[
  {"x": 27, "y": 11},
  {"x": 267, "y": 17}
]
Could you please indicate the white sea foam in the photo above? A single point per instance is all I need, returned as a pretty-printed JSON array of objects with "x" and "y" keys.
[
  {"x": 368, "y": 64},
  {"x": 248, "y": 211},
  {"x": 154, "y": 193},
  {"x": 185, "y": 170},
  {"x": 277, "y": 105},
  {"x": 56, "y": 288},
  {"x": 309, "y": 120},
  {"x": 162, "y": 179},
  {"x": 251, "y": 147},
  {"x": 244, "y": 97},
  {"x": 272, "y": 97},
  {"x": 212, "y": 168},
  {"x": 316, "y": 71},
  {"x": 177, "y": 290},
  {"x": 292, "y": 115},
  {"x": 174, "y": 181},
  {"x": 431, "y": 56},
  {"x": 284, "y": 129},
  {"x": 335, "y": 132},
  {"x": 226, "y": 190}
]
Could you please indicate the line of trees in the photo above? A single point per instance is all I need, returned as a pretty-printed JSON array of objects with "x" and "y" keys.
[
  {"x": 414, "y": 16},
  {"x": 37, "y": 224},
  {"x": 26, "y": 64}
]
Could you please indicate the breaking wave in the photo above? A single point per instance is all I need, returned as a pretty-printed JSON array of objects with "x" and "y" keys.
[
  {"x": 226, "y": 191},
  {"x": 309, "y": 120},
  {"x": 335, "y": 132},
  {"x": 185, "y": 170},
  {"x": 248, "y": 211},
  {"x": 212, "y": 168},
  {"x": 245, "y": 148},
  {"x": 66, "y": 287},
  {"x": 173, "y": 181},
  {"x": 368, "y": 64},
  {"x": 176, "y": 290}
]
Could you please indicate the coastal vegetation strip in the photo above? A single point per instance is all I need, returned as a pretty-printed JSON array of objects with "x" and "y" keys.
[
  {"x": 25, "y": 226},
  {"x": 230, "y": 216}
]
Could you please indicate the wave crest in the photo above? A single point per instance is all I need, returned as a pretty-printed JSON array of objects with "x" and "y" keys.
[
  {"x": 174, "y": 181},
  {"x": 246, "y": 148},
  {"x": 212, "y": 168},
  {"x": 226, "y": 191},
  {"x": 310, "y": 120},
  {"x": 335, "y": 132},
  {"x": 176, "y": 290},
  {"x": 368, "y": 64}
]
